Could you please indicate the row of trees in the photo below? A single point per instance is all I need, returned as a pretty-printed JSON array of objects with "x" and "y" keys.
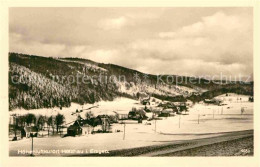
[{"x": 51, "y": 122}]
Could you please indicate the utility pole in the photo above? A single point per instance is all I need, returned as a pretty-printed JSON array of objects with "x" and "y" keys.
[
  {"x": 124, "y": 132},
  {"x": 242, "y": 110},
  {"x": 199, "y": 119},
  {"x": 155, "y": 125},
  {"x": 31, "y": 134},
  {"x": 32, "y": 146},
  {"x": 179, "y": 121}
]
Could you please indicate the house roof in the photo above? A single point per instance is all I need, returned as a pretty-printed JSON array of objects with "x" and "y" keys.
[
  {"x": 81, "y": 123},
  {"x": 73, "y": 127},
  {"x": 168, "y": 110}
]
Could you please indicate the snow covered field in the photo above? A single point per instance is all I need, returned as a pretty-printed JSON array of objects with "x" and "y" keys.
[{"x": 203, "y": 121}]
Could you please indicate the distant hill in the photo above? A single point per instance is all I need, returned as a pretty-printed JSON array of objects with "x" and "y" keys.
[{"x": 43, "y": 82}]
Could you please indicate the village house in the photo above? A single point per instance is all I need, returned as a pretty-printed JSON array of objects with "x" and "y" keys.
[
  {"x": 80, "y": 127},
  {"x": 84, "y": 127}
]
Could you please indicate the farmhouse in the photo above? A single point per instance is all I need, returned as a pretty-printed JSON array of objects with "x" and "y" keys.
[
  {"x": 80, "y": 127},
  {"x": 165, "y": 113},
  {"x": 137, "y": 114},
  {"x": 212, "y": 101},
  {"x": 122, "y": 116},
  {"x": 84, "y": 127}
]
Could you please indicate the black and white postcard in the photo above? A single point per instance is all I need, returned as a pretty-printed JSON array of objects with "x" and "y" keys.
[{"x": 130, "y": 81}]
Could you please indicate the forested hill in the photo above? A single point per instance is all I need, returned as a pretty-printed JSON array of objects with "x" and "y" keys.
[{"x": 42, "y": 82}]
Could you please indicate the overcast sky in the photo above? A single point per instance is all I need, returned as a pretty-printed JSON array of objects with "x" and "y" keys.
[{"x": 182, "y": 41}]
